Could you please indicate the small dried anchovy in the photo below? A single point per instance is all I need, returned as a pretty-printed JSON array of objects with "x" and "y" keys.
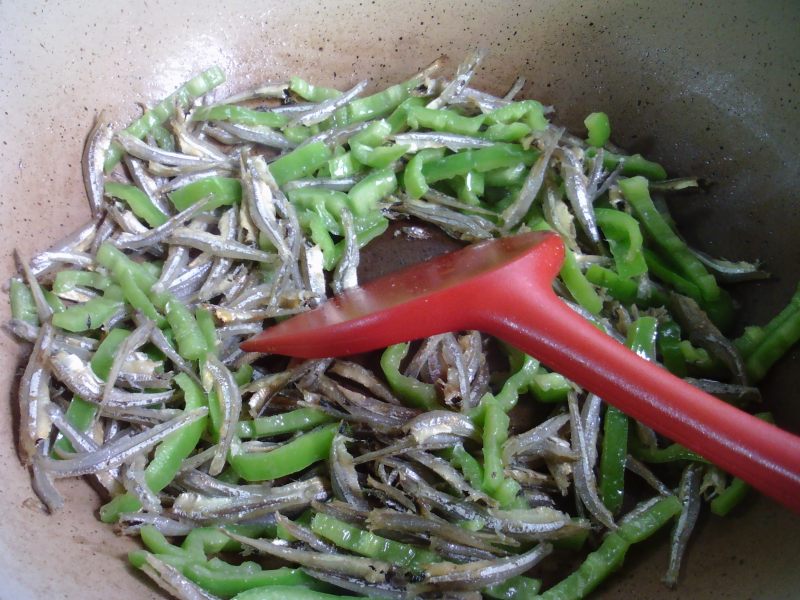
[{"x": 222, "y": 227}]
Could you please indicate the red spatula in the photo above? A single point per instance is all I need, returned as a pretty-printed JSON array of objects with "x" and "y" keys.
[{"x": 504, "y": 288}]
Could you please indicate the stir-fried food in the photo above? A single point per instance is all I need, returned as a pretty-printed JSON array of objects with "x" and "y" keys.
[{"x": 451, "y": 467}]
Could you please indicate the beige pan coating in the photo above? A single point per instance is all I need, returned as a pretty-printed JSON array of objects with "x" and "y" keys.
[{"x": 706, "y": 91}]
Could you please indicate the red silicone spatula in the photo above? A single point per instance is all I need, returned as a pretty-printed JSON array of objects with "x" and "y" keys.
[{"x": 504, "y": 288}]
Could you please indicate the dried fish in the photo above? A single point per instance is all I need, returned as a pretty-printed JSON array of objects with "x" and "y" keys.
[
  {"x": 372, "y": 571},
  {"x": 689, "y": 494},
  {"x": 524, "y": 199},
  {"x": 216, "y": 376},
  {"x": 344, "y": 479},
  {"x": 117, "y": 452},
  {"x": 94, "y": 154},
  {"x": 585, "y": 483},
  {"x": 479, "y": 574}
]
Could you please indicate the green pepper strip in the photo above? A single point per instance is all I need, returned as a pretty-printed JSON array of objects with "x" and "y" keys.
[
  {"x": 300, "y": 419},
  {"x": 529, "y": 110},
  {"x": 720, "y": 311},
  {"x": 183, "y": 96},
  {"x": 214, "y": 575},
  {"x": 375, "y": 134},
  {"x": 168, "y": 455},
  {"x": 203, "y": 541},
  {"x": 780, "y": 334},
  {"x": 280, "y": 592},
  {"x": 380, "y": 104},
  {"x": 632, "y": 166},
  {"x": 495, "y": 434},
  {"x": 220, "y": 191},
  {"x": 244, "y": 375},
  {"x": 155, "y": 541},
  {"x": 226, "y": 585},
  {"x": 578, "y": 285},
  {"x": 624, "y": 290},
  {"x": 297, "y": 134},
  {"x": 413, "y": 391},
  {"x": 576, "y": 282},
  {"x": 68, "y": 280},
  {"x": 641, "y": 339},
  {"x": 598, "y": 128},
  {"x": 518, "y": 383},
  {"x": 637, "y": 194},
  {"x": 550, "y": 387},
  {"x": 54, "y": 301},
  {"x": 413, "y": 179},
  {"x": 138, "y": 201},
  {"x": 601, "y": 563},
  {"x": 300, "y": 162},
  {"x": 108, "y": 256},
  {"x": 443, "y": 120},
  {"x": 659, "y": 267},
  {"x": 135, "y": 296},
  {"x": 366, "y": 231},
  {"x": 163, "y": 138},
  {"x": 753, "y": 335},
  {"x": 87, "y": 316},
  {"x": 482, "y": 160},
  {"x": 737, "y": 489},
  {"x": 23, "y": 307},
  {"x": 239, "y": 114},
  {"x": 612, "y": 463},
  {"x": 507, "y": 177},
  {"x": 344, "y": 165},
  {"x": 729, "y": 499},
  {"x": 515, "y": 588},
  {"x": 321, "y": 236},
  {"x": 370, "y": 545},
  {"x": 380, "y": 157},
  {"x": 181, "y": 560},
  {"x": 311, "y": 92},
  {"x": 207, "y": 327},
  {"x": 289, "y": 458},
  {"x": 669, "y": 346},
  {"x": 365, "y": 195},
  {"x": 513, "y": 132},
  {"x": 324, "y": 202},
  {"x": 470, "y": 188},
  {"x": 191, "y": 342},
  {"x": 398, "y": 120},
  {"x": 468, "y": 464},
  {"x": 672, "y": 453},
  {"x": 625, "y": 240}
]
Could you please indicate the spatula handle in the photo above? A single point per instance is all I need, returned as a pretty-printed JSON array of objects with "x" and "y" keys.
[{"x": 536, "y": 321}]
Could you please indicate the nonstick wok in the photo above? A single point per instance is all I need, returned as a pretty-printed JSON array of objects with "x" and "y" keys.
[{"x": 704, "y": 88}]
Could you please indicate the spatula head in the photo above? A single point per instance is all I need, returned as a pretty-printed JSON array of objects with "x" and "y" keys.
[{"x": 448, "y": 293}]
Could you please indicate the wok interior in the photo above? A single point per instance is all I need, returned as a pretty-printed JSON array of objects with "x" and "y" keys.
[{"x": 704, "y": 91}]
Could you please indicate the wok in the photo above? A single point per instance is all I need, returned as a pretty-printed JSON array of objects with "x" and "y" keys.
[{"x": 704, "y": 90}]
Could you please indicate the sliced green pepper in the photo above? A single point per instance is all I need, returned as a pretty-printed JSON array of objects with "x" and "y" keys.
[
  {"x": 598, "y": 128},
  {"x": 138, "y": 202},
  {"x": 289, "y": 458},
  {"x": 224, "y": 191},
  {"x": 300, "y": 419},
  {"x": 239, "y": 114},
  {"x": 368, "y": 544}
]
